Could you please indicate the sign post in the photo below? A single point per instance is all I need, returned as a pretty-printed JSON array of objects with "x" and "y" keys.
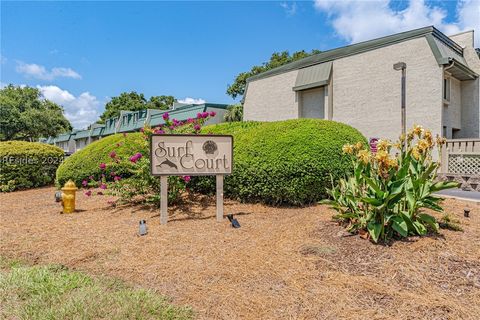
[
  {"x": 219, "y": 179},
  {"x": 190, "y": 155},
  {"x": 163, "y": 199}
]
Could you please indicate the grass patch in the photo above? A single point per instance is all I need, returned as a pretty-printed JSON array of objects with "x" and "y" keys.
[
  {"x": 450, "y": 223},
  {"x": 54, "y": 292}
]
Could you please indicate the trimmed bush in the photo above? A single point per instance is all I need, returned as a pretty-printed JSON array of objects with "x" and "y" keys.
[
  {"x": 27, "y": 164},
  {"x": 85, "y": 163},
  {"x": 284, "y": 162}
]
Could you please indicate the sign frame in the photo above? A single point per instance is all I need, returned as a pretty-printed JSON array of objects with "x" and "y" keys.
[
  {"x": 189, "y": 135},
  {"x": 164, "y": 178}
]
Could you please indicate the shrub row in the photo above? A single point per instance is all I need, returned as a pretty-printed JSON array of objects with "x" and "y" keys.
[
  {"x": 286, "y": 162},
  {"x": 27, "y": 164},
  {"x": 85, "y": 163}
]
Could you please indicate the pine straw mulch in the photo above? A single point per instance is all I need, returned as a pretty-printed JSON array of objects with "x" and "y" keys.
[{"x": 283, "y": 263}]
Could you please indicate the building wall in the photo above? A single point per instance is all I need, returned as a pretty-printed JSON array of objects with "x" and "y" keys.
[
  {"x": 470, "y": 109},
  {"x": 367, "y": 90},
  {"x": 452, "y": 111},
  {"x": 272, "y": 98},
  {"x": 364, "y": 92},
  {"x": 220, "y": 112},
  {"x": 470, "y": 89},
  {"x": 62, "y": 145},
  {"x": 312, "y": 103},
  {"x": 81, "y": 143}
]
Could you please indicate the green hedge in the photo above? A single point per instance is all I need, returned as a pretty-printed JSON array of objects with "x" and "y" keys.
[
  {"x": 27, "y": 164},
  {"x": 284, "y": 162},
  {"x": 85, "y": 163}
]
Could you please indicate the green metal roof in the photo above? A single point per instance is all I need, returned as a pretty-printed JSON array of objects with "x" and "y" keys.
[
  {"x": 363, "y": 47},
  {"x": 82, "y": 134},
  {"x": 181, "y": 114},
  {"x": 313, "y": 76},
  {"x": 97, "y": 131},
  {"x": 109, "y": 127},
  {"x": 64, "y": 137},
  {"x": 132, "y": 121}
]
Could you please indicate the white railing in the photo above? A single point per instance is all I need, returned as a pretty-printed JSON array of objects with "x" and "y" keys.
[{"x": 461, "y": 156}]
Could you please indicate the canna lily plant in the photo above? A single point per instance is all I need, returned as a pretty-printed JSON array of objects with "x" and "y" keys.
[{"x": 389, "y": 189}]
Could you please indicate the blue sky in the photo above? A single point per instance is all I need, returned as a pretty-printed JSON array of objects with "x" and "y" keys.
[{"x": 81, "y": 53}]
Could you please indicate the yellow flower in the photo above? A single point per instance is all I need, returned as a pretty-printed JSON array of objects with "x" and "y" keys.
[
  {"x": 440, "y": 140},
  {"x": 428, "y": 137},
  {"x": 359, "y": 146},
  {"x": 423, "y": 145},
  {"x": 381, "y": 156},
  {"x": 348, "y": 149},
  {"x": 410, "y": 136},
  {"x": 416, "y": 153},
  {"x": 393, "y": 162},
  {"x": 418, "y": 130},
  {"x": 383, "y": 145},
  {"x": 364, "y": 156}
]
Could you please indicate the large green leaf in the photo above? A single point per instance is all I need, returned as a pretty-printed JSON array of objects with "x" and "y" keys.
[
  {"x": 420, "y": 228},
  {"x": 399, "y": 225},
  {"x": 408, "y": 220},
  {"x": 373, "y": 201},
  {"x": 372, "y": 184},
  {"x": 397, "y": 186},
  {"x": 442, "y": 185},
  {"x": 431, "y": 204},
  {"x": 375, "y": 230},
  {"x": 430, "y": 220}
]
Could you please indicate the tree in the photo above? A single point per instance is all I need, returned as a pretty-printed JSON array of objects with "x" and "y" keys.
[
  {"x": 133, "y": 101},
  {"x": 234, "y": 113},
  {"x": 161, "y": 102},
  {"x": 26, "y": 115},
  {"x": 277, "y": 59}
]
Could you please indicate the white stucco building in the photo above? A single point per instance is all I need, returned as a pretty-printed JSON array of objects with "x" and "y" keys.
[{"x": 357, "y": 85}]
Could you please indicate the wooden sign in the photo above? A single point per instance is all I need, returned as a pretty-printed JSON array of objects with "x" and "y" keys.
[{"x": 190, "y": 155}]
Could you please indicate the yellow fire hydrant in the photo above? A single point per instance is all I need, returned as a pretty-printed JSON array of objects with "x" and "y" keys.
[{"x": 68, "y": 196}]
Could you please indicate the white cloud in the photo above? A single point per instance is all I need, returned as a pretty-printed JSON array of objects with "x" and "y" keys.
[
  {"x": 40, "y": 72},
  {"x": 357, "y": 21},
  {"x": 189, "y": 100},
  {"x": 80, "y": 111},
  {"x": 290, "y": 9}
]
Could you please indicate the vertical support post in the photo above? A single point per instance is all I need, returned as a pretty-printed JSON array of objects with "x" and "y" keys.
[
  {"x": 163, "y": 199},
  {"x": 404, "y": 110},
  {"x": 219, "y": 179},
  {"x": 444, "y": 159}
]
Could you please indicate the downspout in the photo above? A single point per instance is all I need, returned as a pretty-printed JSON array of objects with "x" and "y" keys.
[
  {"x": 443, "y": 155},
  {"x": 451, "y": 63}
]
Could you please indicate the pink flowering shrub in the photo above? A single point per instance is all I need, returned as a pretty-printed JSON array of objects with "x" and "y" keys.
[{"x": 139, "y": 186}]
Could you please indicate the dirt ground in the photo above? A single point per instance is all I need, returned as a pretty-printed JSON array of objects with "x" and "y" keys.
[{"x": 283, "y": 263}]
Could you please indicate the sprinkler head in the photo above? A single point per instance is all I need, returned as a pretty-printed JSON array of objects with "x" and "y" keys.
[
  {"x": 142, "y": 230},
  {"x": 234, "y": 221},
  {"x": 466, "y": 212}
]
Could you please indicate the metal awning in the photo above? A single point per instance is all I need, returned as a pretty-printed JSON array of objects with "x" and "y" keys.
[
  {"x": 461, "y": 71},
  {"x": 313, "y": 76}
]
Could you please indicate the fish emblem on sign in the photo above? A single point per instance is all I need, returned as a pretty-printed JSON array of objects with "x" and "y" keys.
[{"x": 167, "y": 163}]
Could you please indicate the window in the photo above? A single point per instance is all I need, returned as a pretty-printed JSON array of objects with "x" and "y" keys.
[{"x": 446, "y": 89}]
